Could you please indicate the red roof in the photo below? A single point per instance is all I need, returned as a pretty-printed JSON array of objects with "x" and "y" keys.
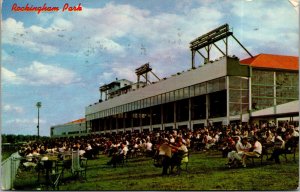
[
  {"x": 273, "y": 61},
  {"x": 77, "y": 121}
]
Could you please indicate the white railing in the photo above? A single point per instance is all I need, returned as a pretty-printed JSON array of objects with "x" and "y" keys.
[{"x": 9, "y": 169}]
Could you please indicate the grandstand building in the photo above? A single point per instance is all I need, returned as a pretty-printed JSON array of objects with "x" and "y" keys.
[
  {"x": 220, "y": 92},
  {"x": 226, "y": 90}
]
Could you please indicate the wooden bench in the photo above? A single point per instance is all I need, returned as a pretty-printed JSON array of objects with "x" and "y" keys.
[{"x": 291, "y": 148}]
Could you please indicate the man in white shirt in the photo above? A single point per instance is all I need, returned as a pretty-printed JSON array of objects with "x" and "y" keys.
[
  {"x": 257, "y": 150},
  {"x": 235, "y": 157}
]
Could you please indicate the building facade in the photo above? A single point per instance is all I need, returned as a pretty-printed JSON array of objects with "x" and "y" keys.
[
  {"x": 74, "y": 128},
  {"x": 274, "y": 87},
  {"x": 261, "y": 88},
  {"x": 219, "y": 92}
]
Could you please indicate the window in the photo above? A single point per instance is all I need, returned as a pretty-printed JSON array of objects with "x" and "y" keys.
[
  {"x": 192, "y": 91},
  {"x": 163, "y": 98},
  {"x": 154, "y": 100},
  {"x": 197, "y": 89},
  {"x": 186, "y": 92},
  {"x": 167, "y": 97},
  {"x": 203, "y": 87},
  {"x": 159, "y": 99},
  {"x": 172, "y": 96}
]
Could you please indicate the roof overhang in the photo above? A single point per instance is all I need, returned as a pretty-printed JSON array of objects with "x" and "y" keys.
[{"x": 289, "y": 109}]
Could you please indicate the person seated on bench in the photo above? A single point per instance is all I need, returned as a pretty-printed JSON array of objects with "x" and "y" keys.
[
  {"x": 149, "y": 151},
  {"x": 268, "y": 139},
  {"x": 279, "y": 148},
  {"x": 235, "y": 157},
  {"x": 208, "y": 140},
  {"x": 293, "y": 131},
  {"x": 180, "y": 154},
  {"x": 227, "y": 146},
  {"x": 118, "y": 155},
  {"x": 255, "y": 151}
]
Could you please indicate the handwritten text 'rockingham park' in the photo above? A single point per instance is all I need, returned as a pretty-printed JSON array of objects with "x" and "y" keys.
[{"x": 45, "y": 8}]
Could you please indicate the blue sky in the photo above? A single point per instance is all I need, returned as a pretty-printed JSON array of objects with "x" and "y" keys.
[{"x": 62, "y": 58}]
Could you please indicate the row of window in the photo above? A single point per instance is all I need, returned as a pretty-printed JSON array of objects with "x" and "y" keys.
[
  {"x": 264, "y": 91},
  {"x": 73, "y": 132},
  {"x": 178, "y": 111},
  {"x": 262, "y": 77},
  {"x": 179, "y": 94}
]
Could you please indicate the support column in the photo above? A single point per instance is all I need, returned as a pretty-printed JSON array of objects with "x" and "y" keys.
[
  {"x": 190, "y": 113},
  {"x": 124, "y": 121},
  {"x": 193, "y": 59},
  {"x": 226, "y": 46},
  {"x": 131, "y": 123},
  {"x": 207, "y": 106},
  {"x": 250, "y": 94},
  {"x": 162, "y": 117},
  {"x": 138, "y": 82},
  {"x": 151, "y": 128},
  {"x": 174, "y": 114},
  {"x": 105, "y": 124},
  {"x": 227, "y": 100},
  {"x": 110, "y": 124},
  {"x": 274, "y": 93},
  {"x": 117, "y": 123},
  {"x": 86, "y": 125},
  {"x": 141, "y": 119}
]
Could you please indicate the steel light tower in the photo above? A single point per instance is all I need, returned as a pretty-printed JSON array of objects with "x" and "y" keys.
[{"x": 38, "y": 105}]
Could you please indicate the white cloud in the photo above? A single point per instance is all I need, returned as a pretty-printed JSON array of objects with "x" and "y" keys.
[
  {"x": 106, "y": 26},
  {"x": 40, "y": 74},
  {"x": 268, "y": 26},
  {"x": 24, "y": 126},
  {"x": 12, "y": 108},
  {"x": 119, "y": 32},
  {"x": 61, "y": 23},
  {"x": 15, "y": 33},
  {"x": 105, "y": 78},
  {"x": 10, "y": 77},
  {"x": 125, "y": 73},
  {"x": 22, "y": 121}
]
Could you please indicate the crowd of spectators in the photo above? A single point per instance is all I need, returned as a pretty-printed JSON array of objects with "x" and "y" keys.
[{"x": 226, "y": 139}]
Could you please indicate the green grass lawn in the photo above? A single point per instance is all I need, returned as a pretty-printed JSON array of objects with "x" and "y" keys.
[{"x": 206, "y": 171}]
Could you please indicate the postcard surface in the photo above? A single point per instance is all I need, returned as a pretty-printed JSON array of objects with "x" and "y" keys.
[{"x": 81, "y": 62}]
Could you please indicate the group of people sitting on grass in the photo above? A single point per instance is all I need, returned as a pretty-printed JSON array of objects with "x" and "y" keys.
[{"x": 237, "y": 142}]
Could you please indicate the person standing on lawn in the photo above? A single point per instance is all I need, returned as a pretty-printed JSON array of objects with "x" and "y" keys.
[{"x": 166, "y": 151}]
